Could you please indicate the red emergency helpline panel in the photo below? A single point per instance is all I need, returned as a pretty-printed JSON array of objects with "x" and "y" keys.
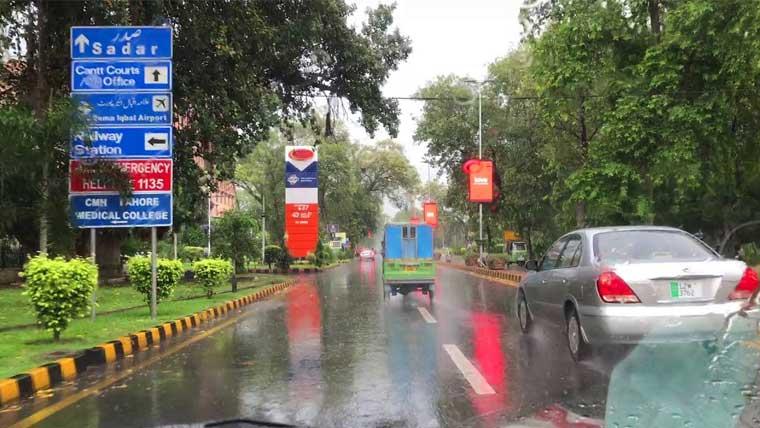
[{"x": 146, "y": 175}]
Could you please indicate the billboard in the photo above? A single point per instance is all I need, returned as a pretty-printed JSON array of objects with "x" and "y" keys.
[
  {"x": 430, "y": 209},
  {"x": 480, "y": 180},
  {"x": 301, "y": 200}
]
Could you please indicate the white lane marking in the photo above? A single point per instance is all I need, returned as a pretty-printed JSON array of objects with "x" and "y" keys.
[
  {"x": 426, "y": 315},
  {"x": 477, "y": 381}
]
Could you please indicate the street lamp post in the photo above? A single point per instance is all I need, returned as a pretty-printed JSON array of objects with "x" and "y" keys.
[{"x": 480, "y": 156}]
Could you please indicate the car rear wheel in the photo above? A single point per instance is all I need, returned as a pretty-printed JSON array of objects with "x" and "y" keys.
[
  {"x": 523, "y": 315},
  {"x": 579, "y": 348}
]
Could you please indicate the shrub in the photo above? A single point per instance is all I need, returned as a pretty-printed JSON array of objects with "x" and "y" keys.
[
  {"x": 311, "y": 258},
  {"x": 133, "y": 245},
  {"x": 212, "y": 273},
  {"x": 191, "y": 254},
  {"x": 284, "y": 260},
  {"x": 345, "y": 254},
  {"x": 168, "y": 274},
  {"x": 59, "y": 290},
  {"x": 324, "y": 255},
  {"x": 272, "y": 255},
  {"x": 497, "y": 261},
  {"x": 471, "y": 258}
]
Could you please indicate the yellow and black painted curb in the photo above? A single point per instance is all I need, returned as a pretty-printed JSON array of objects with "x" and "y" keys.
[
  {"x": 47, "y": 375},
  {"x": 503, "y": 276}
]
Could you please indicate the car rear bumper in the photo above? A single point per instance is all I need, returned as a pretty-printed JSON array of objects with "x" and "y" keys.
[{"x": 634, "y": 323}]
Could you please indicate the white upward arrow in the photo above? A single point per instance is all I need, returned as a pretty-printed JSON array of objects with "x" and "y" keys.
[{"x": 81, "y": 41}]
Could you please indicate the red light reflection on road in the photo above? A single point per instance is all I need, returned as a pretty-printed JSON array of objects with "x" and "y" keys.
[
  {"x": 304, "y": 324},
  {"x": 368, "y": 271},
  {"x": 489, "y": 358}
]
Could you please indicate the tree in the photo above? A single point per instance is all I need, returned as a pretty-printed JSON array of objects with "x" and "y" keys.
[
  {"x": 239, "y": 68},
  {"x": 234, "y": 236}
]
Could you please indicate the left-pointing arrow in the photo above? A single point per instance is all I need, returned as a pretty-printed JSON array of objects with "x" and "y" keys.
[
  {"x": 81, "y": 41},
  {"x": 154, "y": 141}
]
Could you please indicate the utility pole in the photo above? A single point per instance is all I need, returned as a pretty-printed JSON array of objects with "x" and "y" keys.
[
  {"x": 263, "y": 228},
  {"x": 208, "y": 225}
]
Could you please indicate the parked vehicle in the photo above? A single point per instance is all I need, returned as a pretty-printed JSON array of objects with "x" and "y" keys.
[
  {"x": 408, "y": 263},
  {"x": 617, "y": 284}
]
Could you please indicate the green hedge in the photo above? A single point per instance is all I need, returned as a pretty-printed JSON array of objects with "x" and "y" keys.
[
  {"x": 212, "y": 273},
  {"x": 168, "y": 274},
  {"x": 191, "y": 254},
  {"x": 59, "y": 290}
]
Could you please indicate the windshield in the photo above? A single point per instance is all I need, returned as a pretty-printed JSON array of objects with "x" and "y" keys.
[
  {"x": 648, "y": 246},
  {"x": 379, "y": 213}
]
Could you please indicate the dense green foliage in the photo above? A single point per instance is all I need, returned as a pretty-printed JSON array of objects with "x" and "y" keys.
[
  {"x": 353, "y": 179},
  {"x": 240, "y": 69},
  {"x": 613, "y": 112},
  {"x": 168, "y": 274},
  {"x": 234, "y": 238},
  {"x": 212, "y": 273},
  {"x": 59, "y": 290},
  {"x": 272, "y": 254},
  {"x": 190, "y": 254}
]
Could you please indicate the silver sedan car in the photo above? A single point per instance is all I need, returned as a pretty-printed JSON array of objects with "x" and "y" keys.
[{"x": 632, "y": 284}]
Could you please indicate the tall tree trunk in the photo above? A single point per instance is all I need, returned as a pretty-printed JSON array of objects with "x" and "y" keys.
[
  {"x": 580, "y": 206},
  {"x": 529, "y": 240},
  {"x": 655, "y": 21},
  {"x": 580, "y": 214},
  {"x": 40, "y": 111}
]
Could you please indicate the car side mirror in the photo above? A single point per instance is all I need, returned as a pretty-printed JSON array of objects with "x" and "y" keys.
[{"x": 531, "y": 265}]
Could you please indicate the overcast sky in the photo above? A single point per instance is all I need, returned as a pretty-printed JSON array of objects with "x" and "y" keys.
[{"x": 448, "y": 37}]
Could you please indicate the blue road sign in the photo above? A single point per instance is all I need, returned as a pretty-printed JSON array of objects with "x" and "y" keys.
[
  {"x": 118, "y": 143},
  {"x": 121, "y": 42},
  {"x": 122, "y": 76},
  {"x": 148, "y": 108},
  {"x": 144, "y": 209}
]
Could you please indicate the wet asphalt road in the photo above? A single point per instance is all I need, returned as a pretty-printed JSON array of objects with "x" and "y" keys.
[{"x": 333, "y": 351}]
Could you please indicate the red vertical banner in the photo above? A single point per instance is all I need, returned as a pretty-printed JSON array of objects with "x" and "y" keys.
[
  {"x": 430, "y": 209},
  {"x": 480, "y": 180},
  {"x": 301, "y": 200}
]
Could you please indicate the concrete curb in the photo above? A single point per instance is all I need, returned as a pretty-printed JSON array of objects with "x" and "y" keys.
[
  {"x": 503, "y": 276},
  {"x": 294, "y": 270},
  {"x": 47, "y": 375}
]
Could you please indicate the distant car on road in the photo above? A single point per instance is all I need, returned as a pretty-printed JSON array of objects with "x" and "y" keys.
[
  {"x": 367, "y": 254},
  {"x": 617, "y": 284}
]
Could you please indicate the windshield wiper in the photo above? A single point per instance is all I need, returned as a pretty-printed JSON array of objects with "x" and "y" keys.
[{"x": 246, "y": 421}]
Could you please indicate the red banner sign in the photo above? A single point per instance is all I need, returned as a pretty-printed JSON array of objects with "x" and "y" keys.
[
  {"x": 302, "y": 228},
  {"x": 480, "y": 180},
  {"x": 147, "y": 175},
  {"x": 430, "y": 209}
]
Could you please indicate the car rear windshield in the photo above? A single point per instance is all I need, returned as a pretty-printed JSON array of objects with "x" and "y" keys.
[
  {"x": 519, "y": 246},
  {"x": 648, "y": 246}
]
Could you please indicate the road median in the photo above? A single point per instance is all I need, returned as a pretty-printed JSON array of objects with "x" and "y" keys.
[
  {"x": 506, "y": 277},
  {"x": 70, "y": 366}
]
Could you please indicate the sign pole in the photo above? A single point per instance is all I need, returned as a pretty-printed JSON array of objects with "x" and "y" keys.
[
  {"x": 174, "y": 237},
  {"x": 92, "y": 255},
  {"x": 263, "y": 229},
  {"x": 153, "y": 263}
]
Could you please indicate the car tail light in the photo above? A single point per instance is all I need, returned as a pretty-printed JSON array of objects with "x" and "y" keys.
[
  {"x": 612, "y": 289},
  {"x": 746, "y": 286}
]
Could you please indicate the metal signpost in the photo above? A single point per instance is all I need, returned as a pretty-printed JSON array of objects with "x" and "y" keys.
[{"x": 121, "y": 80}]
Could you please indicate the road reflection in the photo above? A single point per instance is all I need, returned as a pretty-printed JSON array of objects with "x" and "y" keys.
[{"x": 304, "y": 326}]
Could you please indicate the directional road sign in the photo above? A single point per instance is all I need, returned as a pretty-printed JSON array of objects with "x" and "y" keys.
[
  {"x": 123, "y": 76},
  {"x": 145, "y": 175},
  {"x": 117, "y": 142},
  {"x": 145, "y": 209},
  {"x": 149, "y": 108},
  {"x": 121, "y": 42}
]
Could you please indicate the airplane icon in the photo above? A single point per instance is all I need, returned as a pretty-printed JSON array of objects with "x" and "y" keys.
[{"x": 160, "y": 103}]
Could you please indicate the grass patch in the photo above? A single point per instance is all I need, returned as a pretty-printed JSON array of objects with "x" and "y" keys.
[{"x": 21, "y": 350}]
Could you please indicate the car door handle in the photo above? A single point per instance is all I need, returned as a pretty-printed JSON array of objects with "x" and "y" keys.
[
  {"x": 543, "y": 281},
  {"x": 564, "y": 281}
]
